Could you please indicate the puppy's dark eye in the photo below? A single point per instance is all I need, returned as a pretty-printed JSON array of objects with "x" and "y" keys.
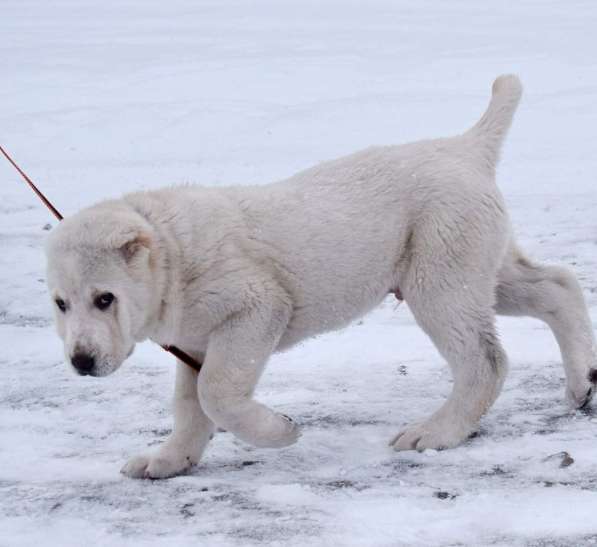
[
  {"x": 61, "y": 304},
  {"x": 104, "y": 300}
]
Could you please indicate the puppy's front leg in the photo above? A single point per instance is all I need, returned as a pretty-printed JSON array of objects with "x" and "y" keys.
[
  {"x": 184, "y": 447},
  {"x": 236, "y": 355}
]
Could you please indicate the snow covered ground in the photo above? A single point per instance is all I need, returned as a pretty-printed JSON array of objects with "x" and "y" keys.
[{"x": 100, "y": 98}]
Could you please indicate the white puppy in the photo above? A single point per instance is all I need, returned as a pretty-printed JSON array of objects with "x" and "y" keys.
[{"x": 231, "y": 275}]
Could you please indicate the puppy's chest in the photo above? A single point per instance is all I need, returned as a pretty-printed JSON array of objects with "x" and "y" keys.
[
  {"x": 188, "y": 319},
  {"x": 187, "y": 338}
]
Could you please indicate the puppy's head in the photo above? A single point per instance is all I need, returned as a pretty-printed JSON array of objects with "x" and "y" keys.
[{"x": 100, "y": 273}]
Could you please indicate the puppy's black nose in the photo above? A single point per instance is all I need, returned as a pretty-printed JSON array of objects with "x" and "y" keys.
[{"x": 83, "y": 362}]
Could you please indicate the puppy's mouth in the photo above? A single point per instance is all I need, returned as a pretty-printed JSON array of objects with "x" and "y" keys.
[
  {"x": 97, "y": 370},
  {"x": 100, "y": 370},
  {"x": 99, "y": 367}
]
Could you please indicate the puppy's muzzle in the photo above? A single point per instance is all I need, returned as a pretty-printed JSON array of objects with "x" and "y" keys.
[{"x": 83, "y": 363}]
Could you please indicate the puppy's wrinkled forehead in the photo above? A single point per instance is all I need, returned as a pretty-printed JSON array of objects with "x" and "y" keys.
[
  {"x": 94, "y": 245},
  {"x": 74, "y": 268}
]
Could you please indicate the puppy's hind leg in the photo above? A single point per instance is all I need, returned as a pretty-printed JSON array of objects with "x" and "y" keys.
[
  {"x": 184, "y": 447},
  {"x": 463, "y": 331},
  {"x": 449, "y": 286},
  {"x": 552, "y": 294}
]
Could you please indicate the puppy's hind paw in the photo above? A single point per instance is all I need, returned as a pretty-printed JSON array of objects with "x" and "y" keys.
[
  {"x": 429, "y": 434},
  {"x": 579, "y": 395}
]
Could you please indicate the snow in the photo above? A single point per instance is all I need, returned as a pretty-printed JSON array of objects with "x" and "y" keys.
[{"x": 98, "y": 99}]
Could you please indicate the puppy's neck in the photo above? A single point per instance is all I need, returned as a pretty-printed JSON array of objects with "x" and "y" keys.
[{"x": 163, "y": 318}]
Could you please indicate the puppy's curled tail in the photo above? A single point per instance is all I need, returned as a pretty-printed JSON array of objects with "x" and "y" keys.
[{"x": 489, "y": 132}]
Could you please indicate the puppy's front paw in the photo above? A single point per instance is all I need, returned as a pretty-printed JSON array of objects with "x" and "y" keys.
[
  {"x": 281, "y": 431},
  {"x": 156, "y": 466},
  {"x": 431, "y": 434}
]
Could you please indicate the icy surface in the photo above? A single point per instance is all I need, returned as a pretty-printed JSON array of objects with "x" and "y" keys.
[{"x": 97, "y": 101}]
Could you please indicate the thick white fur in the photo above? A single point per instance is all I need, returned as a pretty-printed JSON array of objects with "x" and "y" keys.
[{"x": 231, "y": 275}]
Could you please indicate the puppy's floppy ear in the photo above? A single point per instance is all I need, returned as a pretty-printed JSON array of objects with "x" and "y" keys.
[
  {"x": 132, "y": 243},
  {"x": 135, "y": 247}
]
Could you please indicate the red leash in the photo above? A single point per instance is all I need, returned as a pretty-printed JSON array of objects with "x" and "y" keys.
[
  {"x": 32, "y": 186},
  {"x": 178, "y": 353}
]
